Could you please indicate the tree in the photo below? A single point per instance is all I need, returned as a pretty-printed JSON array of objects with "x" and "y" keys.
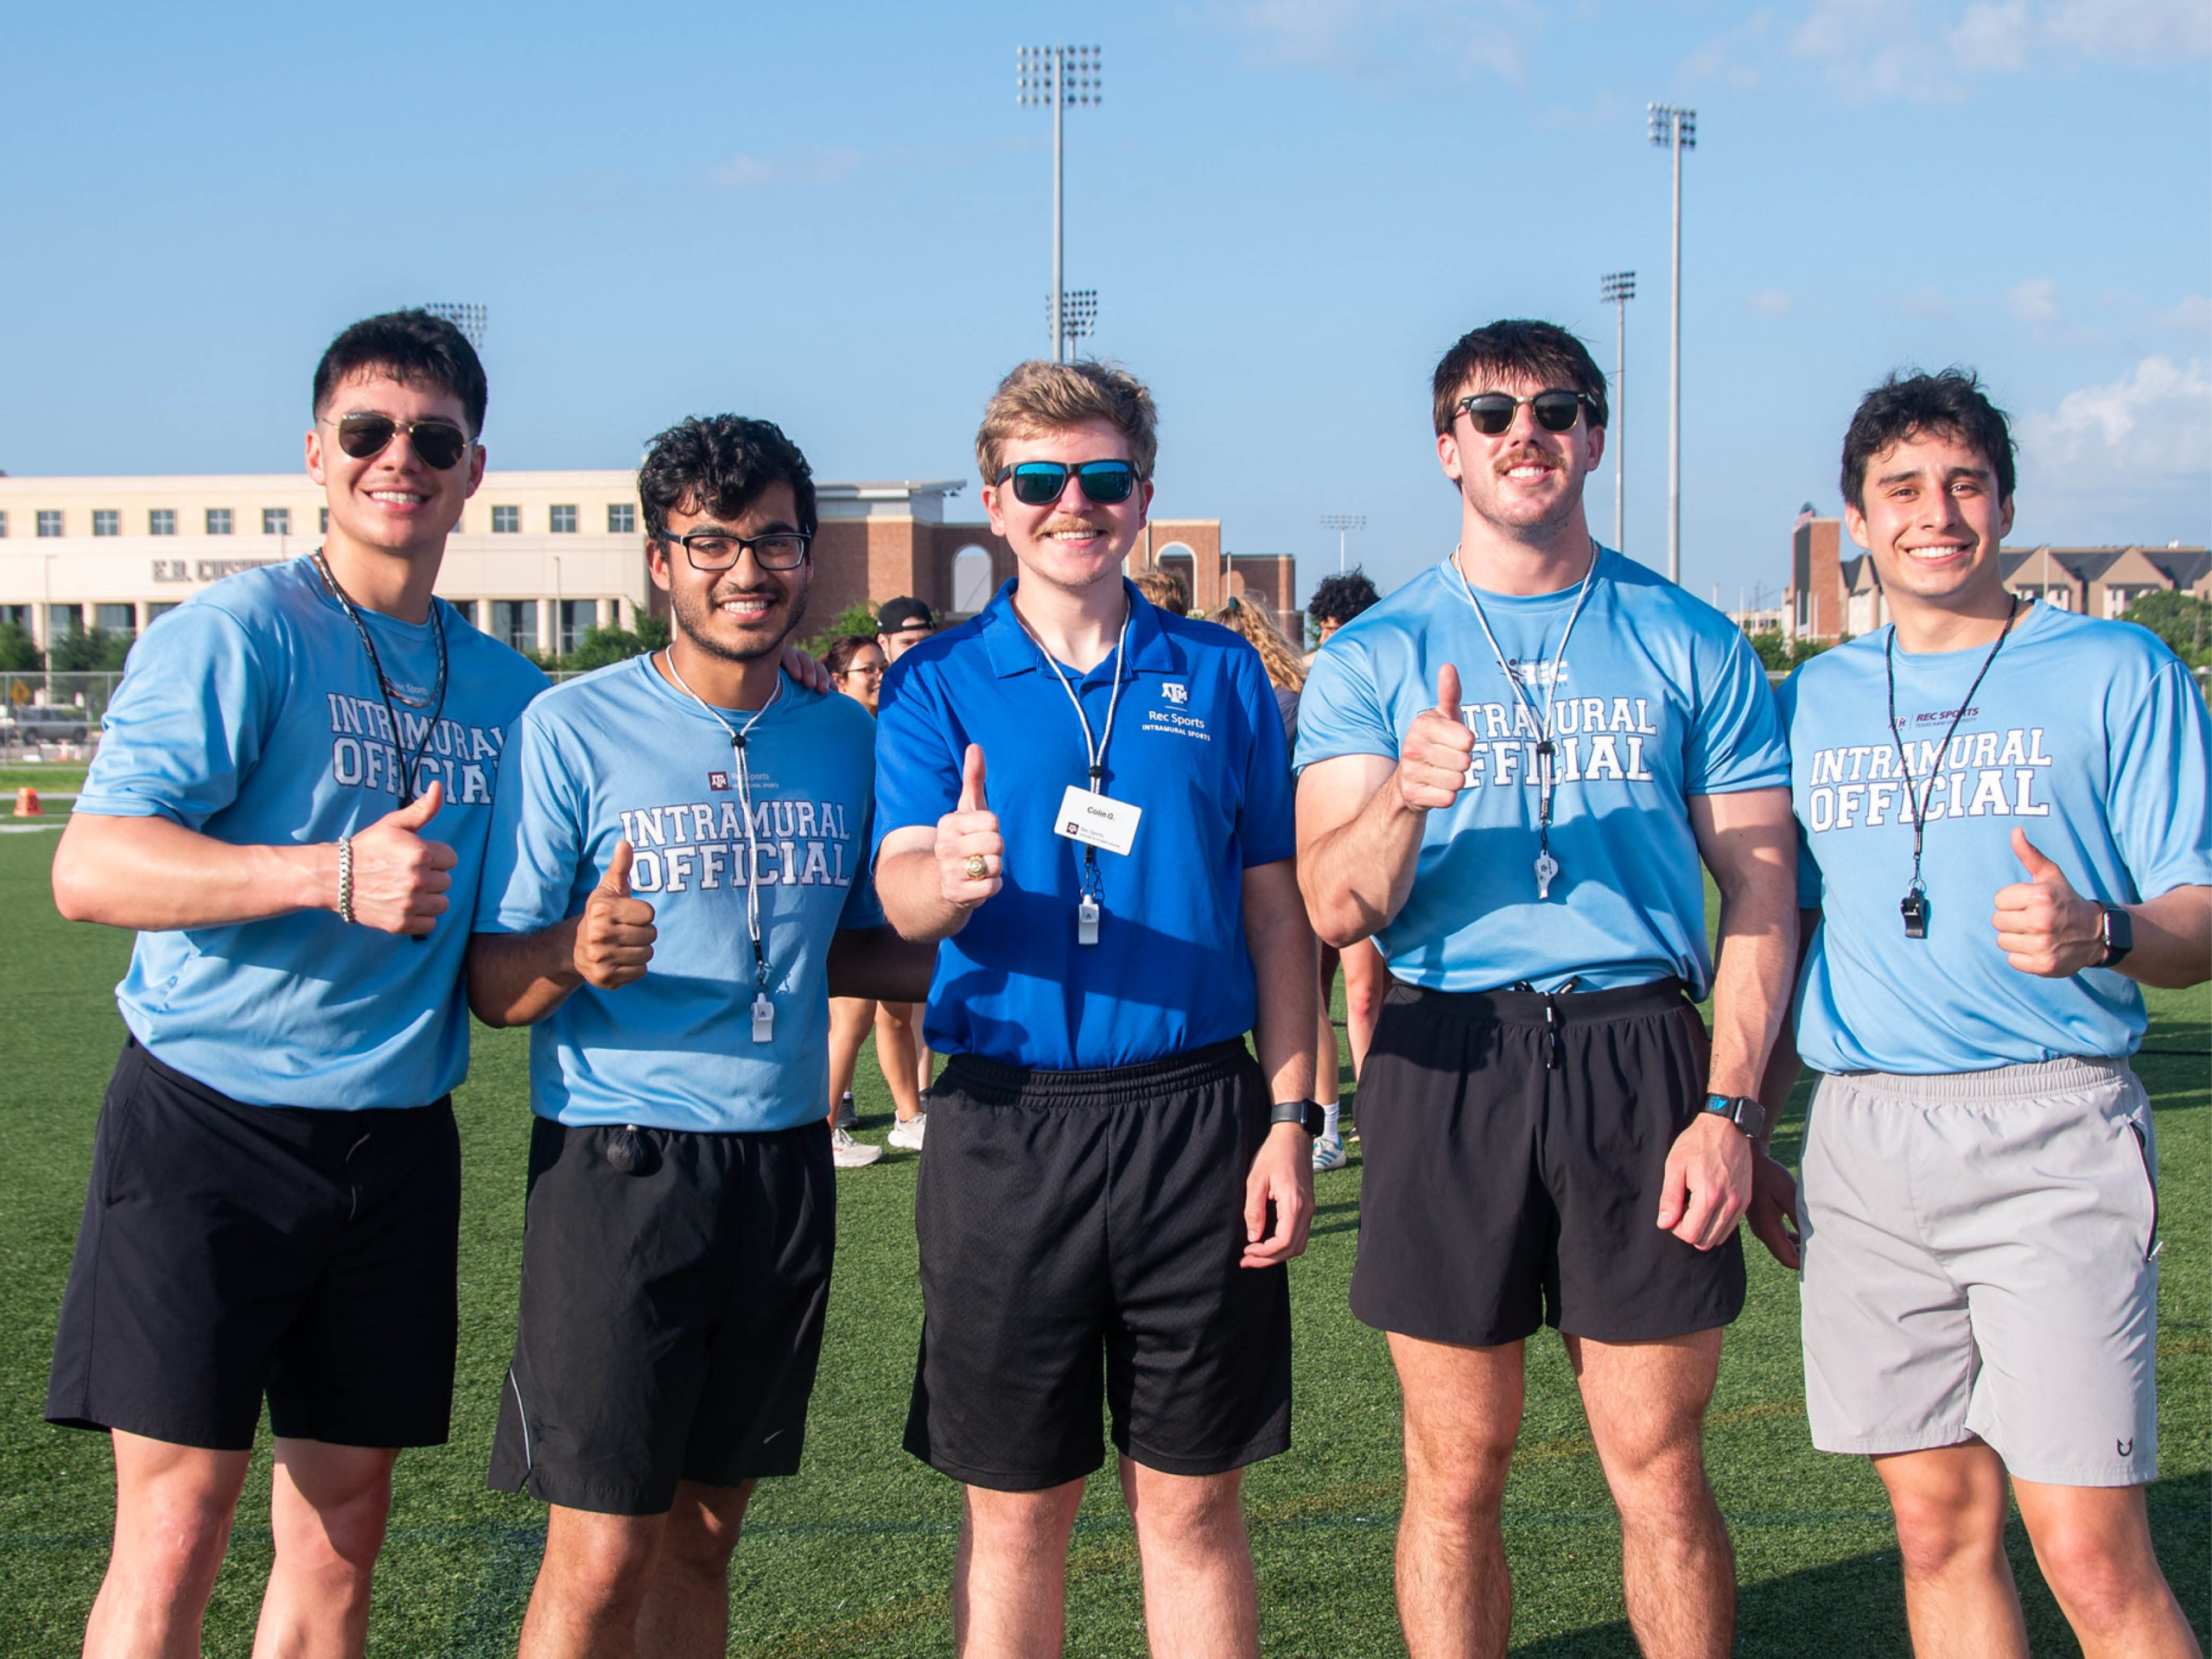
[
  {"x": 18, "y": 651},
  {"x": 2183, "y": 620},
  {"x": 602, "y": 646},
  {"x": 1780, "y": 655},
  {"x": 80, "y": 651},
  {"x": 856, "y": 618}
]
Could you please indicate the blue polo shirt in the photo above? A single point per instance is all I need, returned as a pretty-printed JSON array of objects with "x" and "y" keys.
[{"x": 1196, "y": 744}]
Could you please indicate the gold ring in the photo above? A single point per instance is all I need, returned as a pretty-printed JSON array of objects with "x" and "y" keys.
[{"x": 977, "y": 866}]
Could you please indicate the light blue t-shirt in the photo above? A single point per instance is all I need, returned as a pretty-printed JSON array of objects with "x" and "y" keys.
[
  {"x": 250, "y": 714},
  {"x": 1660, "y": 698},
  {"x": 2087, "y": 735},
  {"x": 623, "y": 754},
  {"x": 1196, "y": 745}
]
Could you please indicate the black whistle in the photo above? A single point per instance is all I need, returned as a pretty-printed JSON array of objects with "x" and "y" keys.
[{"x": 1914, "y": 907}]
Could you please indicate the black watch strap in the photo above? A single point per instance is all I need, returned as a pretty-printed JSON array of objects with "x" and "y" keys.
[
  {"x": 1742, "y": 1110},
  {"x": 1305, "y": 1114}
]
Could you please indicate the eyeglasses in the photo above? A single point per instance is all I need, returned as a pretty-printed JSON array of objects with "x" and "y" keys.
[
  {"x": 1492, "y": 412},
  {"x": 716, "y": 551},
  {"x": 1039, "y": 483},
  {"x": 441, "y": 443},
  {"x": 876, "y": 668}
]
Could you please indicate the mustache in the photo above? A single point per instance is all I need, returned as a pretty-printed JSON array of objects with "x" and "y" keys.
[
  {"x": 1053, "y": 525},
  {"x": 1525, "y": 456}
]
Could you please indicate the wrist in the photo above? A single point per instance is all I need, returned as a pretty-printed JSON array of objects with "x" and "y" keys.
[
  {"x": 1741, "y": 1112},
  {"x": 1305, "y": 1116}
]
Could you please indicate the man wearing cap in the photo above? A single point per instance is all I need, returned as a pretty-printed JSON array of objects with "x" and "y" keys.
[
  {"x": 1113, "y": 1185},
  {"x": 902, "y": 624}
]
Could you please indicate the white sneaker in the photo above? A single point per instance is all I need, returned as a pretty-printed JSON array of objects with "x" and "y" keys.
[
  {"x": 908, "y": 1132},
  {"x": 1328, "y": 1152},
  {"x": 848, "y": 1117},
  {"x": 848, "y": 1153}
]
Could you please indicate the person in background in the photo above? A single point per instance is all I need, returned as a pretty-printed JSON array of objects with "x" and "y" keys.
[
  {"x": 1166, "y": 589},
  {"x": 1336, "y": 600},
  {"x": 1286, "y": 675},
  {"x": 902, "y": 624},
  {"x": 857, "y": 665}
]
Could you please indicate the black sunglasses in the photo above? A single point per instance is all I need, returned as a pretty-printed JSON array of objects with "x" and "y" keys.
[
  {"x": 716, "y": 551},
  {"x": 1039, "y": 483},
  {"x": 1492, "y": 412},
  {"x": 441, "y": 443}
]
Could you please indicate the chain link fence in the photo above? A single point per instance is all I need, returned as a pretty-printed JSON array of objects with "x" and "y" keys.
[{"x": 52, "y": 716}]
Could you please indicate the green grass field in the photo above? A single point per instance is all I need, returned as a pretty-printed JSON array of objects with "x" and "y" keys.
[{"x": 853, "y": 1556}]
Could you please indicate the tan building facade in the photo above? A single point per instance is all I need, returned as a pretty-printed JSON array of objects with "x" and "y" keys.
[{"x": 539, "y": 559}]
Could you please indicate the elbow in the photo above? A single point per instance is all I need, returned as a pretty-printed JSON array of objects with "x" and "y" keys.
[{"x": 76, "y": 897}]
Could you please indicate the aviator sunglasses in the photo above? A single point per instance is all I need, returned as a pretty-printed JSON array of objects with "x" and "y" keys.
[
  {"x": 1492, "y": 412},
  {"x": 1039, "y": 483},
  {"x": 441, "y": 443}
]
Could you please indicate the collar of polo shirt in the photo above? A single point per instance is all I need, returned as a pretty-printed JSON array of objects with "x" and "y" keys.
[{"x": 1013, "y": 651}]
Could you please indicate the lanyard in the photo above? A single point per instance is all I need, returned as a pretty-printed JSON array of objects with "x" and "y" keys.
[
  {"x": 1915, "y": 902},
  {"x": 744, "y": 805},
  {"x": 1547, "y": 866},
  {"x": 1096, "y": 752},
  {"x": 437, "y": 704}
]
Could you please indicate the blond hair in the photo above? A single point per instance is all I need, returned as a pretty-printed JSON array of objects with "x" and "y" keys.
[
  {"x": 1164, "y": 588},
  {"x": 1036, "y": 397},
  {"x": 1283, "y": 665}
]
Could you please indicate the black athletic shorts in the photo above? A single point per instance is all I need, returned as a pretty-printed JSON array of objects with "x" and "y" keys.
[
  {"x": 1081, "y": 1228},
  {"x": 1516, "y": 1146},
  {"x": 671, "y": 1316},
  {"x": 230, "y": 1250}
]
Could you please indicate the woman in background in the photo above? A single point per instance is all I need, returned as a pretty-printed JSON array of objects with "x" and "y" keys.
[{"x": 1286, "y": 675}]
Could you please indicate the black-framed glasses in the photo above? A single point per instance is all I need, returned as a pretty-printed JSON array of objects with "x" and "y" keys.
[
  {"x": 1039, "y": 483},
  {"x": 441, "y": 443},
  {"x": 1492, "y": 412},
  {"x": 716, "y": 551}
]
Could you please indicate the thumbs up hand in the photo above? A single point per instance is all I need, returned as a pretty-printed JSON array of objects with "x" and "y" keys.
[
  {"x": 2042, "y": 925},
  {"x": 1433, "y": 760},
  {"x": 615, "y": 934},
  {"x": 399, "y": 879},
  {"x": 970, "y": 852}
]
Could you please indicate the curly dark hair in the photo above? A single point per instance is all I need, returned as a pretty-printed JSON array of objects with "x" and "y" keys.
[
  {"x": 718, "y": 465},
  {"x": 1951, "y": 404},
  {"x": 415, "y": 349},
  {"x": 1339, "y": 598},
  {"x": 1516, "y": 348}
]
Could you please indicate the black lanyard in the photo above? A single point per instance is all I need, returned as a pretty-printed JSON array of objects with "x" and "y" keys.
[
  {"x": 384, "y": 686},
  {"x": 1915, "y": 902}
]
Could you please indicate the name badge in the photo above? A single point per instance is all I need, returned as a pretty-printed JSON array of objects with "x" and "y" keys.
[{"x": 1097, "y": 820}]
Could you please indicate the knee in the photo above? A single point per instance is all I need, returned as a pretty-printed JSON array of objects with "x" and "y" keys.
[
  {"x": 174, "y": 1542},
  {"x": 1194, "y": 1509},
  {"x": 2099, "y": 1583},
  {"x": 702, "y": 1533},
  {"x": 1466, "y": 1478},
  {"x": 1940, "y": 1533}
]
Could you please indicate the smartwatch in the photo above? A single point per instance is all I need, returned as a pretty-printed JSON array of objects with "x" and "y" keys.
[
  {"x": 1303, "y": 1113},
  {"x": 2119, "y": 934},
  {"x": 1742, "y": 1110}
]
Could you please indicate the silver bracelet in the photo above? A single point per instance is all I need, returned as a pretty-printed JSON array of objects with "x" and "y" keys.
[{"x": 346, "y": 879}]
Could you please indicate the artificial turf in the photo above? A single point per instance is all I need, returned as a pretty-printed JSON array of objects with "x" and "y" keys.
[{"x": 853, "y": 1556}]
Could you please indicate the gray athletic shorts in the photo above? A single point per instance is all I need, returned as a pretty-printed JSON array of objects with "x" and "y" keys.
[{"x": 1978, "y": 1262}]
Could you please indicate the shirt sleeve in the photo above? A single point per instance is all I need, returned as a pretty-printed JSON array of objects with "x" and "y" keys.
[
  {"x": 1737, "y": 741},
  {"x": 1266, "y": 828},
  {"x": 2161, "y": 759},
  {"x": 916, "y": 768},
  {"x": 531, "y": 850},
  {"x": 1339, "y": 712},
  {"x": 1808, "y": 872},
  {"x": 186, "y": 726}
]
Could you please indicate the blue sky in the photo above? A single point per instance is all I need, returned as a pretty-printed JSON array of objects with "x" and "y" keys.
[{"x": 837, "y": 217}]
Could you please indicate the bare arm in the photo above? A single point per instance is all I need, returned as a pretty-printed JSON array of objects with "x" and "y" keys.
[
  {"x": 1360, "y": 818},
  {"x": 1285, "y": 964},
  {"x": 878, "y": 965},
  {"x": 1749, "y": 841},
  {"x": 921, "y": 872},
  {"x": 155, "y": 875},
  {"x": 516, "y": 979},
  {"x": 1772, "y": 1216}
]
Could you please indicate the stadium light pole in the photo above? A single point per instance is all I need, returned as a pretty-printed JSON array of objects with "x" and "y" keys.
[
  {"x": 1674, "y": 129},
  {"x": 1341, "y": 522},
  {"x": 1617, "y": 288},
  {"x": 467, "y": 316},
  {"x": 1078, "y": 315},
  {"x": 1057, "y": 75}
]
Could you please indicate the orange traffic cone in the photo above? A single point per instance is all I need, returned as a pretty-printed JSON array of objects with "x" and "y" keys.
[{"x": 27, "y": 804}]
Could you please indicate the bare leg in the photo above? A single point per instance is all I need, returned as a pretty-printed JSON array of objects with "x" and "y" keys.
[
  {"x": 1200, "y": 1596},
  {"x": 1010, "y": 1579},
  {"x": 1646, "y": 1404},
  {"x": 1366, "y": 979},
  {"x": 173, "y": 1508},
  {"x": 850, "y": 1020},
  {"x": 686, "y": 1611},
  {"x": 897, "y": 1035},
  {"x": 2094, "y": 1545},
  {"x": 1463, "y": 1409},
  {"x": 924, "y": 1062},
  {"x": 1960, "y": 1599},
  {"x": 591, "y": 1584},
  {"x": 326, "y": 1509}
]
